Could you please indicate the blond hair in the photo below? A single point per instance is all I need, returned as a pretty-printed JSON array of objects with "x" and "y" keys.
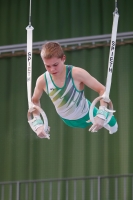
[{"x": 52, "y": 49}]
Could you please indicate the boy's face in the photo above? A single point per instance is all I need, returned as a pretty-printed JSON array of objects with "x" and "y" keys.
[{"x": 54, "y": 65}]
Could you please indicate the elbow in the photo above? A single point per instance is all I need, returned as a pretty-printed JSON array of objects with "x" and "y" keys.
[
  {"x": 102, "y": 91},
  {"x": 35, "y": 101}
]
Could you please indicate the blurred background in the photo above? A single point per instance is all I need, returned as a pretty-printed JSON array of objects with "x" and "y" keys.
[{"x": 70, "y": 152}]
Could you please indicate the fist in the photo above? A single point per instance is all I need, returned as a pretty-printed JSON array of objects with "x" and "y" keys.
[
  {"x": 41, "y": 133},
  {"x": 98, "y": 124}
]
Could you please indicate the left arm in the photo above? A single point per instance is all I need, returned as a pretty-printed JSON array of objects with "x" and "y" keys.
[{"x": 81, "y": 76}]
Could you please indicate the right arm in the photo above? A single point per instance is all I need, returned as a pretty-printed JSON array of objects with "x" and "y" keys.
[{"x": 38, "y": 91}]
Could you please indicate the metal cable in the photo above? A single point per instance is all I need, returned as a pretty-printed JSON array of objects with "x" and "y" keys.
[{"x": 30, "y": 14}]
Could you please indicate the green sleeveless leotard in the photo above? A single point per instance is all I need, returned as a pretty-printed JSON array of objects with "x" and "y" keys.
[{"x": 70, "y": 103}]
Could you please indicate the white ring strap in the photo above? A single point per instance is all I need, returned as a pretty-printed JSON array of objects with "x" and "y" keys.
[
  {"x": 105, "y": 96},
  {"x": 32, "y": 107}
]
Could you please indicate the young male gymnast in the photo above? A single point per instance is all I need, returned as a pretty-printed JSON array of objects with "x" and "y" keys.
[{"x": 64, "y": 84}]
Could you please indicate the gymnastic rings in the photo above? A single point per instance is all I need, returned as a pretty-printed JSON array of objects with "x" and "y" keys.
[
  {"x": 110, "y": 109},
  {"x": 44, "y": 117}
]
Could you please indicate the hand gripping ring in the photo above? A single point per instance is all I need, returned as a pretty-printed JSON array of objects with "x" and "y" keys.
[
  {"x": 29, "y": 116},
  {"x": 110, "y": 110}
]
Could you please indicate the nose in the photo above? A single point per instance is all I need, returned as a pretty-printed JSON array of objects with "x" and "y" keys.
[{"x": 52, "y": 69}]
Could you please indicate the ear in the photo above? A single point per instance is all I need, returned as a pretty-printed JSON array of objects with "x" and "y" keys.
[{"x": 64, "y": 58}]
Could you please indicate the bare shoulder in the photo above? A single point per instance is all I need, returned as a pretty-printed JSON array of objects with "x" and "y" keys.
[
  {"x": 40, "y": 83},
  {"x": 79, "y": 73}
]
